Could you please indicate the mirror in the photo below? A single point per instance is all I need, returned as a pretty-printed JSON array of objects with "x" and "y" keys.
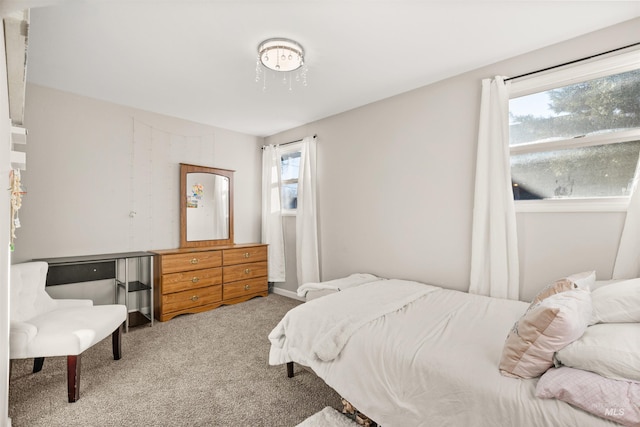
[{"x": 206, "y": 206}]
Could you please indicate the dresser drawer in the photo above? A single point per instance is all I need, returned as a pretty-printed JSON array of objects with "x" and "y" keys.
[
  {"x": 244, "y": 255},
  {"x": 191, "y": 298},
  {"x": 244, "y": 287},
  {"x": 244, "y": 271},
  {"x": 176, "y": 282},
  {"x": 191, "y": 261},
  {"x": 195, "y": 280}
]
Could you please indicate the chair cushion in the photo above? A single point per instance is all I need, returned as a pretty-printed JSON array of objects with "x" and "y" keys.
[
  {"x": 68, "y": 332},
  {"x": 21, "y": 334}
]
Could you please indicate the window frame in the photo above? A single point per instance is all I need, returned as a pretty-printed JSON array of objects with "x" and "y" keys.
[
  {"x": 289, "y": 148},
  {"x": 565, "y": 76}
]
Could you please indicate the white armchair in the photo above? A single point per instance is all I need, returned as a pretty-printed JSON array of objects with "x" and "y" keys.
[{"x": 45, "y": 327}]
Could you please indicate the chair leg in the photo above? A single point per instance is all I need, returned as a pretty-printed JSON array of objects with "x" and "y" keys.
[
  {"x": 73, "y": 377},
  {"x": 37, "y": 364},
  {"x": 73, "y": 366},
  {"x": 116, "y": 341},
  {"x": 289, "y": 369}
]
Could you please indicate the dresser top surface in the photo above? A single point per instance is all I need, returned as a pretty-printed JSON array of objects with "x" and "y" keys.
[{"x": 204, "y": 249}]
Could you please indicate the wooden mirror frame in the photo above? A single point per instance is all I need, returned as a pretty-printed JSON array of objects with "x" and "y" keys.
[{"x": 184, "y": 170}]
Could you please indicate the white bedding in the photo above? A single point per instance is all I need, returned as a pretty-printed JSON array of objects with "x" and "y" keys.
[
  {"x": 314, "y": 332},
  {"x": 433, "y": 362},
  {"x": 336, "y": 285}
]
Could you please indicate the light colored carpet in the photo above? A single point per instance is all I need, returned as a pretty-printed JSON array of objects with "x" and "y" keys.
[
  {"x": 205, "y": 369},
  {"x": 328, "y": 417}
]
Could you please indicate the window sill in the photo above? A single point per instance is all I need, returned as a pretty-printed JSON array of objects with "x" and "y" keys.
[
  {"x": 614, "y": 204},
  {"x": 288, "y": 212}
]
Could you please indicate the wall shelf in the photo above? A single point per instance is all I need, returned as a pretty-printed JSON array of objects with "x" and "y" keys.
[{"x": 18, "y": 158}]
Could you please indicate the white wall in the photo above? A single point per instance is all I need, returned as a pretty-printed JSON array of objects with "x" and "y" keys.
[
  {"x": 5, "y": 217},
  {"x": 93, "y": 163},
  {"x": 395, "y": 185}
]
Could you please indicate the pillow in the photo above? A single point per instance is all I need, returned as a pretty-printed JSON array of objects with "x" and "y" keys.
[
  {"x": 617, "y": 303},
  {"x": 609, "y": 349},
  {"x": 611, "y": 399},
  {"x": 600, "y": 283},
  {"x": 545, "y": 328},
  {"x": 584, "y": 280},
  {"x": 575, "y": 281}
]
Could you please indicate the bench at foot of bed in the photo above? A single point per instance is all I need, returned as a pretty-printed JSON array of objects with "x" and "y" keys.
[
  {"x": 347, "y": 408},
  {"x": 351, "y": 412}
]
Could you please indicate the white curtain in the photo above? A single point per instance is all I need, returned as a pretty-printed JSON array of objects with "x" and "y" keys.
[
  {"x": 308, "y": 264},
  {"x": 627, "y": 264},
  {"x": 272, "y": 233},
  {"x": 494, "y": 245}
]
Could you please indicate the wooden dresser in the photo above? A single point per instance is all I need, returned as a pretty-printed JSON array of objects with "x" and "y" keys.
[{"x": 192, "y": 280}]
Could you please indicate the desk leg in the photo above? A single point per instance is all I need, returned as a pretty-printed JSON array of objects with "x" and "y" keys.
[
  {"x": 151, "y": 296},
  {"x": 126, "y": 292}
]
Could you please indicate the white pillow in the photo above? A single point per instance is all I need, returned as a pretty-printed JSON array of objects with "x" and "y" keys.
[
  {"x": 617, "y": 303},
  {"x": 609, "y": 349},
  {"x": 584, "y": 280},
  {"x": 601, "y": 283}
]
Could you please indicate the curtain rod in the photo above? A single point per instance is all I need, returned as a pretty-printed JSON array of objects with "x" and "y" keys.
[
  {"x": 572, "y": 62},
  {"x": 292, "y": 142}
]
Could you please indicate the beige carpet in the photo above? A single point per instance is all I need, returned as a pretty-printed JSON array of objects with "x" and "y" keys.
[{"x": 206, "y": 369}]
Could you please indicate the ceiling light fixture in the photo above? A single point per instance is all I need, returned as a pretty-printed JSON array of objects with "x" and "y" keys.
[{"x": 280, "y": 55}]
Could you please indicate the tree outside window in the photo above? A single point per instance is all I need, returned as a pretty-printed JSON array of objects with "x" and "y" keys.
[{"x": 577, "y": 141}]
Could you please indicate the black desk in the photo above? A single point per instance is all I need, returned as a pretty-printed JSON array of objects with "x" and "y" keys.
[{"x": 86, "y": 268}]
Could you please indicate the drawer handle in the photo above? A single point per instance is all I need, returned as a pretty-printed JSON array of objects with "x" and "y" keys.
[
  {"x": 247, "y": 287},
  {"x": 194, "y": 260},
  {"x": 247, "y": 270},
  {"x": 195, "y": 298},
  {"x": 247, "y": 254},
  {"x": 195, "y": 280}
]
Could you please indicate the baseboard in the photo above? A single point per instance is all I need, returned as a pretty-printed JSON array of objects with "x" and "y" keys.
[{"x": 287, "y": 293}]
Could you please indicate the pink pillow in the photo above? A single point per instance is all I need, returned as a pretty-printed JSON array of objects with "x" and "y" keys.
[
  {"x": 575, "y": 281},
  {"x": 615, "y": 400},
  {"x": 545, "y": 328}
]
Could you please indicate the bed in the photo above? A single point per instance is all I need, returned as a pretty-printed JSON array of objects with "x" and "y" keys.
[{"x": 410, "y": 354}]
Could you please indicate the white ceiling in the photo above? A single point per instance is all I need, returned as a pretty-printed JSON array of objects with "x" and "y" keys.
[{"x": 196, "y": 59}]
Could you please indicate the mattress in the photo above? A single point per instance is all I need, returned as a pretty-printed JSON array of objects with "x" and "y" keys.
[{"x": 434, "y": 362}]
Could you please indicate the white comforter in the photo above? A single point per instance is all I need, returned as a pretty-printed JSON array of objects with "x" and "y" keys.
[
  {"x": 336, "y": 285},
  {"x": 433, "y": 362},
  {"x": 320, "y": 329}
]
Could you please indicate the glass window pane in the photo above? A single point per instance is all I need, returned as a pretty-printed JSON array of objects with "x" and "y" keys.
[
  {"x": 597, "y": 171},
  {"x": 600, "y": 105},
  {"x": 290, "y": 165},
  {"x": 290, "y": 196}
]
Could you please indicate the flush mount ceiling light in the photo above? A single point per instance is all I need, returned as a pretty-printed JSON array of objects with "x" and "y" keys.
[{"x": 280, "y": 55}]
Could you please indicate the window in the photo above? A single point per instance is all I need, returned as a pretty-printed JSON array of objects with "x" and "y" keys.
[
  {"x": 575, "y": 134},
  {"x": 289, "y": 172}
]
